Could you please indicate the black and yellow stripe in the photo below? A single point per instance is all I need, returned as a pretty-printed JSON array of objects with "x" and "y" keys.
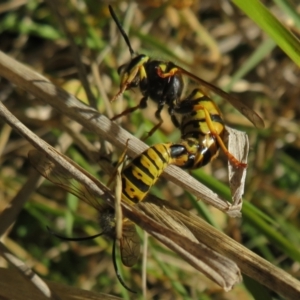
[
  {"x": 143, "y": 172},
  {"x": 200, "y": 114}
]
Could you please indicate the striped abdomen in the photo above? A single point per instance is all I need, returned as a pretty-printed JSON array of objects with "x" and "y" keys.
[
  {"x": 198, "y": 112},
  {"x": 143, "y": 172}
]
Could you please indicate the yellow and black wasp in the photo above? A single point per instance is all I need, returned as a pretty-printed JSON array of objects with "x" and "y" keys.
[
  {"x": 137, "y": 179},
  {"x": 163, "y": 82},
  {"x": 144, "y": 170}
]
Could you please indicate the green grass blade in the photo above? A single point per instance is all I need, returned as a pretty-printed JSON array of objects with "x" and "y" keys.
[
  {"x": 286, "y": 7},
  {"x": 258, "y": 55},
  {"x": 268, "y": 23}
]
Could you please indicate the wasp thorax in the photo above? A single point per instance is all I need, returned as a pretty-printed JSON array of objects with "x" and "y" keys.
[{"x": 107, "y": 220}]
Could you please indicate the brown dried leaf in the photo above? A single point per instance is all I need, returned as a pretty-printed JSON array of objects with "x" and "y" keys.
[{"x": 238, "y": 146}]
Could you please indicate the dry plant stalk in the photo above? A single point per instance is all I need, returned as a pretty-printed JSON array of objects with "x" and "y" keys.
[
  {"x": 238, "y": 146},
  {"x": 250, "y": 263},
  {"x": 218, "y": 268},
  {"x": 50, "y": 159}
]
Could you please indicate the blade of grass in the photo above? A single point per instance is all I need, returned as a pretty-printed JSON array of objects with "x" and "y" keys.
[
  {"x": 257, "y": 56},
  {"x": 270, "y": 24},
  {"x": 289, "y": 10}
]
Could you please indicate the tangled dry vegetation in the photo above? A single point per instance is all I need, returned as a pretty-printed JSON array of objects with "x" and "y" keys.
[{"x": 79, "y": 51}]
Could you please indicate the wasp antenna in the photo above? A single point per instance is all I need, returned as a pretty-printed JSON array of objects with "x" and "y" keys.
[
  {"x": 125, "y": 36},
  {"x": 79, "y": 239},
  {"x": 114, "y": 259}
]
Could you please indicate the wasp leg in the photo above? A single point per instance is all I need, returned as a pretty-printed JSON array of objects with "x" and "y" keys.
[
  {"x": 141, "y": 105},
  {"x": 129, "y": 75},
  {"x": 123, "y": 88},
  {"x": 125, "y": 112},
  {"x": 158, "y": 117},
  {"x": 210, "y": 125},
  {"x": 173, "y": 117},
  {"x": 126, "y": 81}
]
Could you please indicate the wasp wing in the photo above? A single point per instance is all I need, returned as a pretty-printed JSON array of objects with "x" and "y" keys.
[
  {"x": 129, "y": 244},
  {"x": 250, "y": 114},
  {"x": 61, "y": 177}
]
